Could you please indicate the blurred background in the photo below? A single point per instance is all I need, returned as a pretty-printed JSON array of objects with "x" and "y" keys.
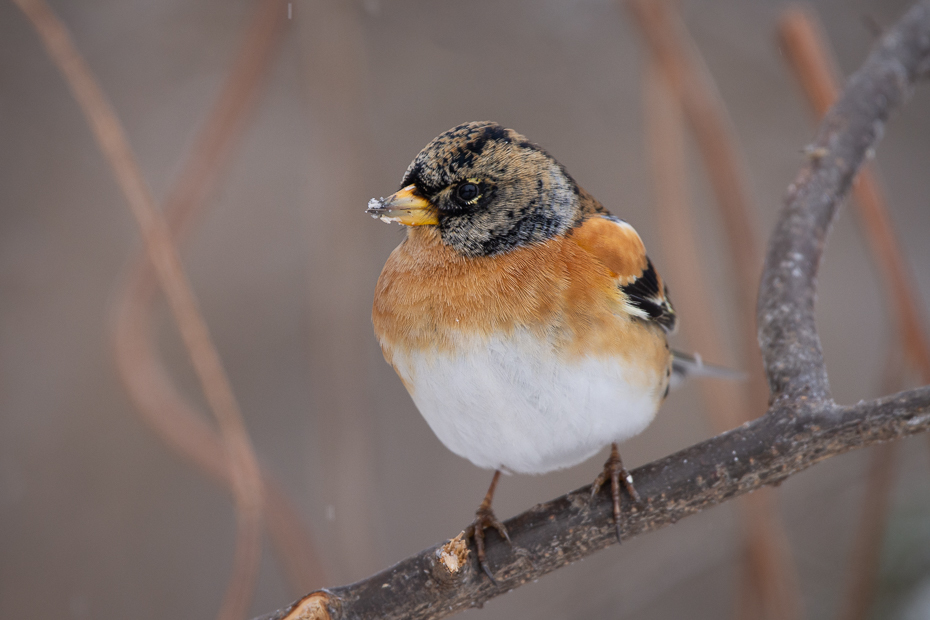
[{"x": 100, "y": 518}]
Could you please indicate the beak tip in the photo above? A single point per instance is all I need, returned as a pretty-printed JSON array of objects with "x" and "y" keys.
[
  {"x": 403, "y": 207},
  {"x": 376, "y": 208}
]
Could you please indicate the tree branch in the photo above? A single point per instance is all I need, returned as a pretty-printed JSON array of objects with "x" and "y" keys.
[
  {"x": 787, "y": 334},
  {"x": 802, "y": 427},
  {"x": 564, "y": 530}
]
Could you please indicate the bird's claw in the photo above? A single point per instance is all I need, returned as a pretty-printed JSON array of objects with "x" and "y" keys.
[
  {"x": 485, "y": 518},
  {"x": 617, "y": 474}
]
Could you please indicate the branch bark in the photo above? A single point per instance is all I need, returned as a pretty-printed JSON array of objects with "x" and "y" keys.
[
  {"x": 808, "y": 50},
  {"x": 564, "y": 530},
  {"x": 802, "y": 426},
  {"x": 787, "y": 334}
]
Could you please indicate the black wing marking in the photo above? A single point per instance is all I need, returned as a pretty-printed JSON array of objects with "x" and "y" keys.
[{"x": 651, "y": 298}]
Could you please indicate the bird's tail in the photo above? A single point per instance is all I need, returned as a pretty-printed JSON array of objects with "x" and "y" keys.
[{"x": 685, "y": 366}]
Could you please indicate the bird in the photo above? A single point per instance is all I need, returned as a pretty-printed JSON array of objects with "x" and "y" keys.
[{"x": 525, "y": 320}]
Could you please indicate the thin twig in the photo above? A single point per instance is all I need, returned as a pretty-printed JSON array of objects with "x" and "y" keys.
[
  {"x": 176, "y": 420},
  {"x": 800, "y": 428},
  {"x": 112, "y": 141}
]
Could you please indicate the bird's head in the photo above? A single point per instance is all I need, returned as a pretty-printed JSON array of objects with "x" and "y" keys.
[{"x": 487, "y": 189}]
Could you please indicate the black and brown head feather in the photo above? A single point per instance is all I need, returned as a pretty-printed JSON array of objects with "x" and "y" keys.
[{"x": 525, "y": 196}]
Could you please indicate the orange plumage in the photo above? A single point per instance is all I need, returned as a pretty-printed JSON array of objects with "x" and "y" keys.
[{"x": 565, "y": 289}]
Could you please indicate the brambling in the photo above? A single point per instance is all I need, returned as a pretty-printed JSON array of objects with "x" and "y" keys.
[{"x": 526, "y": 322}]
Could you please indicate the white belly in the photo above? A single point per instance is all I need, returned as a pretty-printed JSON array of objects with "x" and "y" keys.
[{"x": 515, "y": 405}]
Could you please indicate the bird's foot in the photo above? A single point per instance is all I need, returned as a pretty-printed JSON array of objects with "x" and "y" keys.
[
  {"x": 484, "y": 518},
  {"x": 617, "y": 474}
]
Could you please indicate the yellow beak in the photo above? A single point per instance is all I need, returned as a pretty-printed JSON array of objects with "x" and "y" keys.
[{"x": 405, "y": 207}]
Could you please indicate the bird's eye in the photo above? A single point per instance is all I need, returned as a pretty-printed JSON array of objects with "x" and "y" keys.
[{"x": 468, "y": 192}]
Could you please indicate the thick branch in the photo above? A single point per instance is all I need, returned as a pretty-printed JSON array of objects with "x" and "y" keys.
[
  {"x": 787, "y": 335},
  {"x": 564, "y": 530},
  {"x": 803, "y": 427}
]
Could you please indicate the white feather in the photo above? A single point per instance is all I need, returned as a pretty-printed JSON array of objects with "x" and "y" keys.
[{"x": 512, "y": 403}]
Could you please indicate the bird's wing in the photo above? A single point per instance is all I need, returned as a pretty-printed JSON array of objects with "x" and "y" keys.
[{"x": 618, "y": 246}]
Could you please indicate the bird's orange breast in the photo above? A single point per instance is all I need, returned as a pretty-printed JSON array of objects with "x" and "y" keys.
[{"x": 430, "y": 300}]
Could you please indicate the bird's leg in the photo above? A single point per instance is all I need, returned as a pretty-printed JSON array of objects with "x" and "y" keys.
[
  {"x": 484, "y": 518},
  {"x": 617, "y": 474}
]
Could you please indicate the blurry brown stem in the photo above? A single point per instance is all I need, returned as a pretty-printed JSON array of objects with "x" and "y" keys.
[
  {"x": 865, "y": 557},
  {"x": 683, "y": 68},
  {"x": 666, "y": 146},
  {"x": 867, "y": 547},
  {"x": 112, "y": 141},
  {"x": 680, "y": 82},
  {"x": 164, "y": 409},
  {"x": 724, "y": 401}
]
